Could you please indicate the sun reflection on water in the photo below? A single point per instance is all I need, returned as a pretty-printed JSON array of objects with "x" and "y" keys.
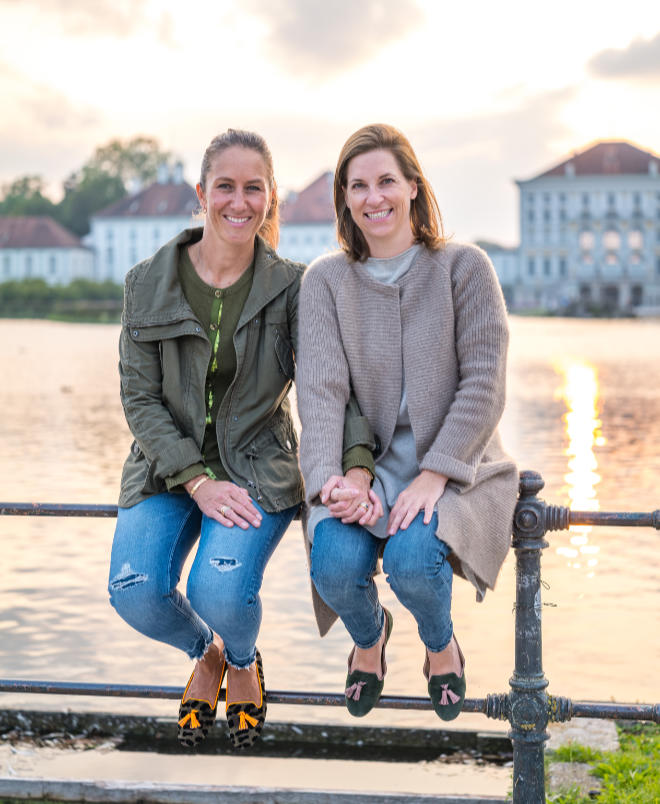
[{"x": 579, "y": 391}]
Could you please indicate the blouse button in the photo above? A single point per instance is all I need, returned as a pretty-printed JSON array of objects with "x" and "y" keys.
[
  {"x": 214, "y": 327},
  {"x": 218, "y": 293}
]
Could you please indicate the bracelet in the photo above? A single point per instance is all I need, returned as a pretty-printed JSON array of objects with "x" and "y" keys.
[
  {"x": 367, "y": 471},
  {"x": 201, "y": 480}
]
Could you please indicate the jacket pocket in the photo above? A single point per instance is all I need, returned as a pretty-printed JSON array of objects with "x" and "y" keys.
[{"x": 284, "y": 352}]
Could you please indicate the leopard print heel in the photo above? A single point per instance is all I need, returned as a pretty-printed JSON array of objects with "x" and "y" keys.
[{"x": 245, "y": 719}]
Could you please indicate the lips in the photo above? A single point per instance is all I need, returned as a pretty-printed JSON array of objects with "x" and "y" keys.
[{"x": 232, "y": 219}]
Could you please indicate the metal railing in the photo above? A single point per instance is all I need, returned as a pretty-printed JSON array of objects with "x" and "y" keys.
[{"x": 527, "y": 706}]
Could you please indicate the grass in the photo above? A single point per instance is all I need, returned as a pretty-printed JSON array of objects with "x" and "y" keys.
[{"x": 628, "y": 776}]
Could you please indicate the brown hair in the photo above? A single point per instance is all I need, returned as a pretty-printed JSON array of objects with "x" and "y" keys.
[
  {"x": 270, "y": 229},
  {"x": 425, "y": 218}
]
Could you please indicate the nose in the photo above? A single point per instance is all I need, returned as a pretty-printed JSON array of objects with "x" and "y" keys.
[
  {"x": 238, "y": 201},
  {"x": 374, "y": 195}
]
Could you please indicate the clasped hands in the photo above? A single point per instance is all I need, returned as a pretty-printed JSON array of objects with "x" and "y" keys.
[{"x": 351, "y": 499}]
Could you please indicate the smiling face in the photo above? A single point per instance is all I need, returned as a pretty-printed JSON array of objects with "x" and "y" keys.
[
  {"x": 236, "y": 195},
  {"x": 378, "y": 196}
]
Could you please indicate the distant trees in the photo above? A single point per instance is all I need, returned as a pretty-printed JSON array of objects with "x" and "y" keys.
[
  {"x": 102, "y": 180},
  {"x": 81, "y": 300}
]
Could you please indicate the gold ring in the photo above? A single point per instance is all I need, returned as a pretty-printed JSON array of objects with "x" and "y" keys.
[
  {"x": 364, "y": 505},
  {"x": 224, "y": 509}
]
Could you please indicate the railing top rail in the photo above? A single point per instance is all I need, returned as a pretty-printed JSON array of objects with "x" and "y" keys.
[{"x": 625, "y": 519}]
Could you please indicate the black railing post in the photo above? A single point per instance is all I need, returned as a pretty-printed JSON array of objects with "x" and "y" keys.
[{"x": 528, "y": 703}]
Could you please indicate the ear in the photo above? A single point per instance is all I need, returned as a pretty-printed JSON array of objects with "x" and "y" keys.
[
  {"x": 201, "y": 195},
  {"x": 413, "y": 189}
]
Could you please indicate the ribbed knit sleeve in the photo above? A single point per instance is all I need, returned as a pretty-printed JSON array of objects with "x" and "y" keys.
[
  {"x": 481, "y": 333},
  {"x": 323, "y": 381}
]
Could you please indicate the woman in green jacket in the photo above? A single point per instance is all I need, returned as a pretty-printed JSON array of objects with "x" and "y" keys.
[{"x": 206, "y": 363}]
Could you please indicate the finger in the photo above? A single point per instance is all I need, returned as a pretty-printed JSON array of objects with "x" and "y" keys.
[
  {"x": 340, "y": 508},
  {"x": 332, "y": 482},
  {"x": 396, "y": 517},
  {"x": 411, "y": 513},
  {"x": 377, "y": 504},
  {"x": 223, "y": 520},
  {"x": 428, "y": 512},
  {"x": 337, "y": 494},
  {"x": 237, "y": 520},
  {"x": 244, "y": 512}
]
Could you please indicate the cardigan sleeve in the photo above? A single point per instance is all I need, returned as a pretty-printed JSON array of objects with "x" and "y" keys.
[
  {"x": 323, "y": 383},
  {"x": 481, "y": 338}
]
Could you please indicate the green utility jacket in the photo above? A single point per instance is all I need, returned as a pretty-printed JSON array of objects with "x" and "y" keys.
[{"x": 164, "y": 357}]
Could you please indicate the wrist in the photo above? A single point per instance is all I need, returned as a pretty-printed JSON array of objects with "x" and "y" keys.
[
  {"x": 192, "y": 485},
  {"x": 360, "y": 475}
]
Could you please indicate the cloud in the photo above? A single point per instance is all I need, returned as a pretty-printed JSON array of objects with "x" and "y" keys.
[
  {"x": 641, "y": 60},
  {"x": 118, "y": 18},
  {"x": 319, "y": 39},
  {"x": 472, "y": 162}
]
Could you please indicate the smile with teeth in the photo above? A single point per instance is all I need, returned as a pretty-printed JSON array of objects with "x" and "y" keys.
[
  {"x": 377, "y": 216},
  {"x": 236, "y": 220}
]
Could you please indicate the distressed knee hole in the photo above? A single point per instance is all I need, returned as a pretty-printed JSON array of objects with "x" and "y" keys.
[
  {"x": 126, "y": 578},
  {"x": 225, "y": 564}
]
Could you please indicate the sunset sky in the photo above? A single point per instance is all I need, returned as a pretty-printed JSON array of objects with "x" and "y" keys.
[{"x": 487, "y": 92}]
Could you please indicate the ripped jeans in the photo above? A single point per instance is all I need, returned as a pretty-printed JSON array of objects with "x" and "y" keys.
[{"x": 152, "y": 541}]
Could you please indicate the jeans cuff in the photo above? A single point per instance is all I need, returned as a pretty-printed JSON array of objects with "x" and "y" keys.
[
  {"x": 240, "y": 665},
  {"x": 201, "y": 646}
]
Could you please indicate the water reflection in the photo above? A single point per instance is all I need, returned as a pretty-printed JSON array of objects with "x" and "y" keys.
[{"x": 583, "y": 428}]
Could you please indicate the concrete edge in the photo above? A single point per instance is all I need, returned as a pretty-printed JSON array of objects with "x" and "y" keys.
[{"x": 153, "y": 793}]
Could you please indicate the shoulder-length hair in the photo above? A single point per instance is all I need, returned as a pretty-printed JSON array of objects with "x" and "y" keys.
[
  {"x": 270, "y": 229},
  {"x": 425, "y": 218}
]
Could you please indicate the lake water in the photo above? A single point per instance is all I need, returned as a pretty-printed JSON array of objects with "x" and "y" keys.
[{"x": 583, "y": 409}]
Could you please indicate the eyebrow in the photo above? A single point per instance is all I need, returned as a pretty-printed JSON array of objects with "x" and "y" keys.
[
  {"x": 249, "y": 181},
  {"x": 382, "y": 176}
]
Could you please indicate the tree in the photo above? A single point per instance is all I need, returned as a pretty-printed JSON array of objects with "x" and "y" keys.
[
  {"x": 24, "y": 196},
  {"x": 137, "y": 158},
  {"x": 85, "y": 193}
]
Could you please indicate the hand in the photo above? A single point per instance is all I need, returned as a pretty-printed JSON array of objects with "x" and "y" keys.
[
  {"x": 225, "y": 502},
  {"x": 424, "y": 492},
  {"x": 351, "y": 499}
]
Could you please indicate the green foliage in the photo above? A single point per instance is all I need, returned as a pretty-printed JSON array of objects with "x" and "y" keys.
[
  {"x": 102, "y": 180},
  {"x": 574, "y": 752},
  {"x": 628, "y": 776},
  {"x": 82, "y": 300},
  {"x": 137, "y": 158},
  {"x": 24, "y": 196},
  {"x": 85, "y": 193}
]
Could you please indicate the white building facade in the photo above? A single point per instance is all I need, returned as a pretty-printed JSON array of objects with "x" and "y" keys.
[
  {"x": 135, "y": 227},
  {"x": 307, "y": 222},
  {"x": 590, "y": 232},
  {"x": 37, "y": 247}
]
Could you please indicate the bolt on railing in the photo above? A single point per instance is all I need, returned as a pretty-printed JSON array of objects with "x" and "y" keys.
[{"x": 527, "y": 706}]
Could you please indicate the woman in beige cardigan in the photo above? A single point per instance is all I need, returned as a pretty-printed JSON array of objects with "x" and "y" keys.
[{"x": 417, "y": 328}]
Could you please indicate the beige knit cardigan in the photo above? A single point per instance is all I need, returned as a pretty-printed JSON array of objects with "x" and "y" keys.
[{"x": 444, "y": 324}]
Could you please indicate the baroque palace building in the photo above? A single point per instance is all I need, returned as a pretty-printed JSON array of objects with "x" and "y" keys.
[{"x": 590, "y": 233}]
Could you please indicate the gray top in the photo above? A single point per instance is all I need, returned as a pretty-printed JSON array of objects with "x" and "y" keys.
[{"x": 397, "y": 467}]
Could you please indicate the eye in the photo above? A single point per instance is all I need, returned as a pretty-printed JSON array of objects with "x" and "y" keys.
[
  {"x": 224, "y": 185},
  {"x": 357, "y": 185},
  {"x": 387, "y": 180},
  {"x": 254, "y": 188}
]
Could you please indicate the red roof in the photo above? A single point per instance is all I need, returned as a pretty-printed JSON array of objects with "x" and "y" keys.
[
  {"x": 314, "y": 204},
  {"x": 157, "y": 200},
  {"x": 605, "y": 158},
  {"x": 35, "y": 232}
]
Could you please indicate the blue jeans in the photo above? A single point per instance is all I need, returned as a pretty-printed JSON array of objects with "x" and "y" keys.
[
  {"x": 152, "y": 541},
  {"x": 344, "y": 559}
]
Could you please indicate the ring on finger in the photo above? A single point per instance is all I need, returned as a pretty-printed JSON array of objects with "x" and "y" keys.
[
  {"x": 224, "y": 509},
  {"x": 364, "y": 505}
]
